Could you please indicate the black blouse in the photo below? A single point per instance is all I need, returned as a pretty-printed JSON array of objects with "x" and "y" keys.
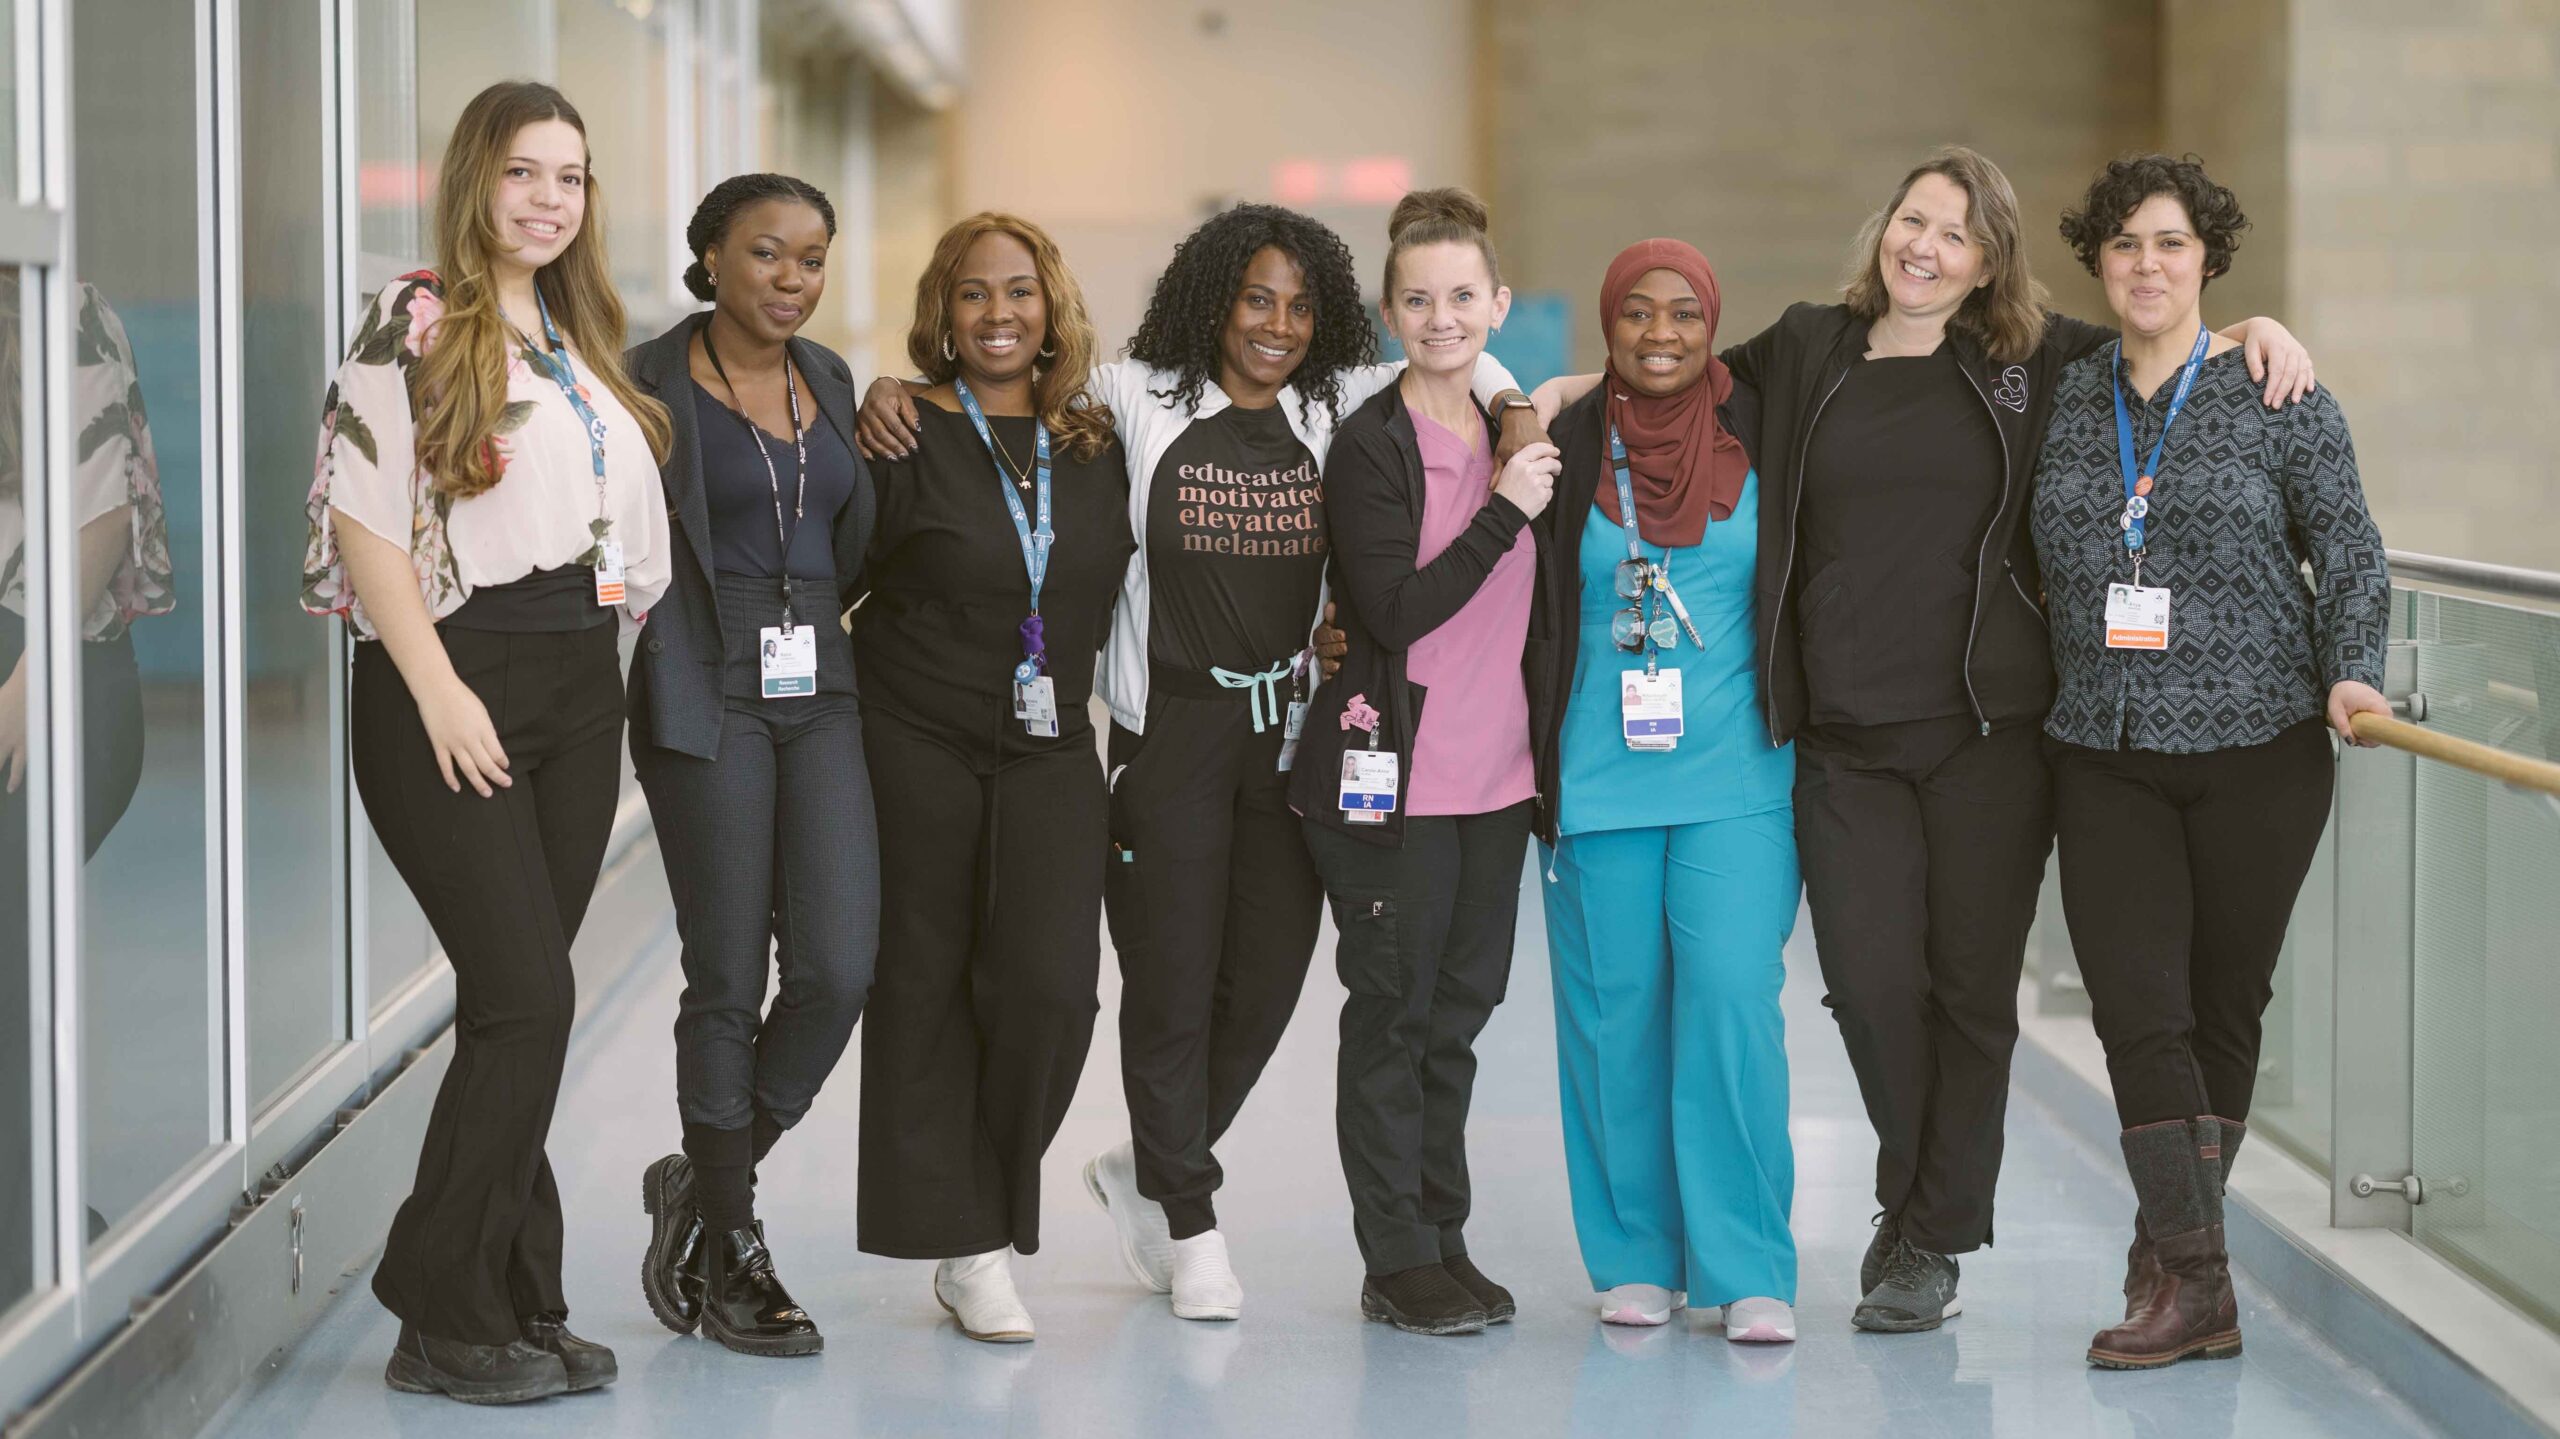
[
  {"x": 939, "y": 632},
  {"x": 740, "y": 492}
]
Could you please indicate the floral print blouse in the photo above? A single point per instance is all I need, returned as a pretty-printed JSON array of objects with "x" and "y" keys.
[{"x": 543, "y": 512}]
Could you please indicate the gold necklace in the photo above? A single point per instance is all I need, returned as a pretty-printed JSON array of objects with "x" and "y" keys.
[{"x": 1021, "y": 477}]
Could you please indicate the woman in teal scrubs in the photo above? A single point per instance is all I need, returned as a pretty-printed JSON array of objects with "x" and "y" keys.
[{"x": 1672, "y": 880}]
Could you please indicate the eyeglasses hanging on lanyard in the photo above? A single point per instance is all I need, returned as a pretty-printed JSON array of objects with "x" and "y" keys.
[
  {"x": 773, "y": 477},
  {"x": 606, "y": 554},
  {"x": 1637, "y": 628},
  {"x": 1035, "y": 539},
  {"x": 2139, "y": 481}
]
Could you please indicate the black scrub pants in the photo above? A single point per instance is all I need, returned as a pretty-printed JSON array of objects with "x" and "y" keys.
[
  {"x": 2179, "y": 873},
  {"x": 504, "y": 882},
  {"x": 983, "y": 1004},
  {"x": 1214, "y": 908},
  {"x": 1923, "y": 846},
  {"x": 1425, "y": 952}
]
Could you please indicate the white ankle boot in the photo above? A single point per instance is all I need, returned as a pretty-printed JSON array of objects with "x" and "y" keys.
[
  {"x": 1146, "y": 1239},
  {"x": 1204, "y": 1284},
  {"x": 1640, "y": 1304},
  {"x": 978, "y": 1290}
]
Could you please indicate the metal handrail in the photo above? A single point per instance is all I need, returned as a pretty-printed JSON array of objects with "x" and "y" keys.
[
  {"x": 2475, "y": 575},
  {"x": 2502, "y": 765}
]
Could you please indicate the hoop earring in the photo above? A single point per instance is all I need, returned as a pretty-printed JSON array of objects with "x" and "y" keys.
[
  {"x": 1049, "y": 351},
  {"x": 947, "y": 352}
]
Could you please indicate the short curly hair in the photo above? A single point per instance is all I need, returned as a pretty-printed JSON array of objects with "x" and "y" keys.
[
  {"x": 1188, "y": 312},
  {"x": 2120, "y": 190},
  {"x": 712, "y": 218}
]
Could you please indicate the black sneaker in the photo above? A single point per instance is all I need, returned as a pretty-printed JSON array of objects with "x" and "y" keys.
[
  {"x": 590, "y": 1364},
  {"x": 1421, "y": 1300},
  {"x": 1495, "y": 1300},
  {"x": 474, "y": 1373},
  {"x": 667, "y": 1278},
  {"x": 1879, "y": 1249},
  {"x": 1917, "y": 1292}
]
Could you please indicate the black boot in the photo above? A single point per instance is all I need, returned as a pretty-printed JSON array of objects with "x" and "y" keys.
[
  {"x": 590, "y": 1364},
  {"x": 667, "y": 1277},
  {"x": 1495, "y": 1300},
  {"x": 1425, "y": 1299},
  {"x": 744, "y": 1305},
  {"x": 474, "y": 1373},
  {"x": 2191, "y": 1313}
]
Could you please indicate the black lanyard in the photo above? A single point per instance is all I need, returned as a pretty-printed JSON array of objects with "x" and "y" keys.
[{"x": 773, "y": 477}]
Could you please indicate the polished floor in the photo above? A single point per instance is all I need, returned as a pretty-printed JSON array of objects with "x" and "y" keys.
[{"x": 1112, "y": 1360}]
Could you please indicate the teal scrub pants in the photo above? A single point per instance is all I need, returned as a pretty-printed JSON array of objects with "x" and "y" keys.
[{"x": 1671, "y": 1050}]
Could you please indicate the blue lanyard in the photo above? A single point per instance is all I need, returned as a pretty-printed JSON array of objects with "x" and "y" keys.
[
  {"x": 2138, "y": 484},
  {"x": 1627, "y": 519},
  {"x": 556, "y": 365},
  {"x": 1035, "y": 542}
]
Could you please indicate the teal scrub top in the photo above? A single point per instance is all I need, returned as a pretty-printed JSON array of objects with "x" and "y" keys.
[{"x": 1725, "y": 766}]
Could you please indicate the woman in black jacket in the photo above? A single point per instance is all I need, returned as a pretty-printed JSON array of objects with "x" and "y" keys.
[
  {"x": 746, "y": 731},
  {"x": 1416, "y": 781}
]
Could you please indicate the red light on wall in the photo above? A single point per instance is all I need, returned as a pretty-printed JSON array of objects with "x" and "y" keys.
[
  {"x": 1300, "y": 183},
  {"x": 1376, "y": 179},
  {"x": 383, "y": 183}
]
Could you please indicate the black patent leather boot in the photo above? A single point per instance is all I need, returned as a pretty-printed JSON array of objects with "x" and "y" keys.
[
  {"x": 744, "y": 1305},
  {"x": 668, "y": 1275}
]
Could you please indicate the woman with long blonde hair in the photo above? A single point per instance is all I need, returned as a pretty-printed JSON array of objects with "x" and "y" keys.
[{"x": 486, "y": 505}]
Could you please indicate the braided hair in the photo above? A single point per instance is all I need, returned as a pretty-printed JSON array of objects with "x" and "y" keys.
[
  {"x": 1188, "y": 312},
  {"x": 712, "y": 218}
]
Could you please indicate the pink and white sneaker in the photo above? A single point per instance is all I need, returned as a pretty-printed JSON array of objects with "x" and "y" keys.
[
  {"x": 1759, "y": 1321},
  {"x": 1640, "y": 1304}
]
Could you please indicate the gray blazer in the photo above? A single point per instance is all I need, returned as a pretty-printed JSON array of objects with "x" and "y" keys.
[{"x": 676, "y": 701}]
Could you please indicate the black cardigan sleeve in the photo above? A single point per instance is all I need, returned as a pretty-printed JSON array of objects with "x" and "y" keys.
[
  {"x": 1376, "y": 536},
  {"x": 852, "y": 535}
]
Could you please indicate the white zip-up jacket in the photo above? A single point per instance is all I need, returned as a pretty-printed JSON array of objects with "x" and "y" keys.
[{"x": 1148, "y": 426}]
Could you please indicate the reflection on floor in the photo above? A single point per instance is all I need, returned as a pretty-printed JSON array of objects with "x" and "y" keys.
[{"x": 1112, "y": 1360}]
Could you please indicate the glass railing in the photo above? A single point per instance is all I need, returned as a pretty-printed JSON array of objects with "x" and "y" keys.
[{"x": 2412, "y": 1047}]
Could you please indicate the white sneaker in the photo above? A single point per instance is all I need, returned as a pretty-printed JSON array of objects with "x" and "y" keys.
[
  {"x": 978, "y": 1290},
  {"x": 1204, "y": 1284},
  {"x": 1146, "y": 1238},
  {"x": 1641, "y": 1304},
  {"x": 1760, "y": 1321}
]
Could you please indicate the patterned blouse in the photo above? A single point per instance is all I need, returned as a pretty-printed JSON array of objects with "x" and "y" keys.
[
  {"x": 543, "y": 512},
  {"x": 113, "y": 467},
  {"x": 2244, "y": 498}
]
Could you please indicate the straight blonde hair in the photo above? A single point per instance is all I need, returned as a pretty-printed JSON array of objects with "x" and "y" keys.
[{"x": 2006, "y": 317}]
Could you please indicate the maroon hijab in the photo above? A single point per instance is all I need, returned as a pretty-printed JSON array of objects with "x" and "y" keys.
[{"x": 1681, "y": 462}]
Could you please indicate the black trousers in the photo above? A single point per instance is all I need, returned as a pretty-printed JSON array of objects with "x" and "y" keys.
[
  {"x": 983, "y": 1004},
  {"x": 774, "y": 865},
  {"x": 1923, "y": 846},
  {"x": 1426, "y": 952},
  {"x": 1214, "y": 911},
  {"x": 2179, "y": 873},
  {"x": 504, "y": 882}
]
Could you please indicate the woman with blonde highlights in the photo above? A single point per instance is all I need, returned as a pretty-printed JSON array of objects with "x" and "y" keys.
[
  {"x": 993, "y": 567},
  {"x": 486, "y": 504}
]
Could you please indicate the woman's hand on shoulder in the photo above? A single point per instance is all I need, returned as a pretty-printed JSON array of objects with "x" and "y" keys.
[
  {"x": 1528, "y": 479},
  {"x": 1552, "y": 397},
  {"x": 2277, "y": 360},
  {"x": 888, "y": 428}
]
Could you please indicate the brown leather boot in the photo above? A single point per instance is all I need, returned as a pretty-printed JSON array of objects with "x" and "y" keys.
[
  {"x": 2141, "y": 1268},
  {"x": 2192, "y": 1313}
]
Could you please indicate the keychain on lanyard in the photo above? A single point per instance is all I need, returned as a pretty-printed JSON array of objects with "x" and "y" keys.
[
  {"x": 773, "y": 477},
  {"x": 1034, "y": 694},
  {"x": 2139, "y": 483},
  {"x": 606, "y": 556},
  {"x": 1650, "y": 714}
]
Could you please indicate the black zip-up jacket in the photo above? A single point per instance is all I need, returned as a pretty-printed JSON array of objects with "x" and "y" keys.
[
  {"x": 1373, "y": 491},
  {"x": 1555, "y": 620},
  {"x": 1796, "y": 365}
]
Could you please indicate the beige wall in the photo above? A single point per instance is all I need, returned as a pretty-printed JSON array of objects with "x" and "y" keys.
[
  {"x": 2225, "y": 91},
  {"x": 1765, "y": 135}
]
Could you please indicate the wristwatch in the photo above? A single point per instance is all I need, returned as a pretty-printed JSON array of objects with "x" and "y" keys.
[{"x": 1509, "y": 400}]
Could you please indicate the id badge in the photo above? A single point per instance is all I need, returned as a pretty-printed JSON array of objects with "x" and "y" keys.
[
  {"x": 1036, "y": 705},
  {"x": 789, "y": 659},
  {"x": 609, "y": 573},
  {"x": 1290, "y": 731},
  {"x": 2137, "y": 618},
  {"x": 1649, "y": 709},
  {"x": 1368, "y": 785}
]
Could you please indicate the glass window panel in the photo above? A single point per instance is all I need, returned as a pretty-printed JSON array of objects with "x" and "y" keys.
[
  {"x": 136, "y": 494},
  {"x": 613, "y": 67},
  {"x": 293, "y": 883},
  {"x": 8, "y": 99},
  {"x": 22, "y": 1031}
]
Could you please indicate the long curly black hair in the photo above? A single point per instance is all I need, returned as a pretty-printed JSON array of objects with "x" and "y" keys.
[
  {"x": 2120, "y": 190},
  {"x": 1189, "y": 309},
  {"x": 711, "y": 218}
]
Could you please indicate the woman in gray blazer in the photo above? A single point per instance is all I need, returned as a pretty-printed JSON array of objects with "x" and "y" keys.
[{"x": 746, "y": 732}]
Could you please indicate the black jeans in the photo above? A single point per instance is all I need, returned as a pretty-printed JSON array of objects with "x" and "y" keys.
[
  {"x": 1923, "y": 846},
  {"x": 505, "y": 882},
  {"x": 1426, "y": 953},
  {"x": 2179, "y": 873},
  {"x": 1213, "y": 907}
]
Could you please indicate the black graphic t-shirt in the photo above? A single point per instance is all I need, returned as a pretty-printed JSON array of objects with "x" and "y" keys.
[{"x": 1235, "y": 543}]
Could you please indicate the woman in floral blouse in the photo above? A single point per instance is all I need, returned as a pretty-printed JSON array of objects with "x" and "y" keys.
[{"x": 487, "y": 499}]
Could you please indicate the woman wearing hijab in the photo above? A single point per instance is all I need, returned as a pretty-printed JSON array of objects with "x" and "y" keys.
[{"x": 1670, "y": 837}]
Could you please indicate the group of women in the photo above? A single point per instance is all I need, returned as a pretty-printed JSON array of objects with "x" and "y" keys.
[{"x": 1846, "y": 537}]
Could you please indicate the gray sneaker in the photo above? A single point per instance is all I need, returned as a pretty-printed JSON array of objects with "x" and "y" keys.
[
  {"x": 1879, "y": 1249},
  {"x": 1918, "y": 1291}
]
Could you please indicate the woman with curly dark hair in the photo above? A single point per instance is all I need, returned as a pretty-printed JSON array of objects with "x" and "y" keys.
[
  {"x": 1253, "y": 349},
  {"x": 747, "y": 736},
  {"x": 2191, "y": 771}
]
